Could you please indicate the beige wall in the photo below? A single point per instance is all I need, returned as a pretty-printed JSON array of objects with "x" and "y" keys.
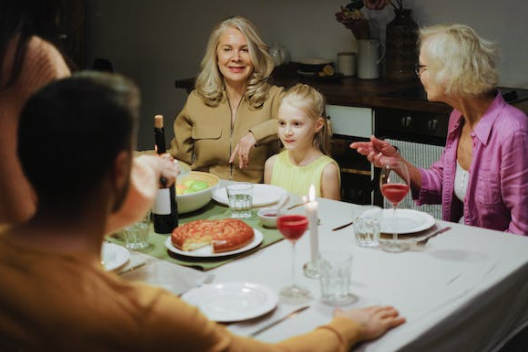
[{"x": 158, "y": 41}]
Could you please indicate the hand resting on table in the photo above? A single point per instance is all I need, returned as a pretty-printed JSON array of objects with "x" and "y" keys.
[{"x": 374, "y": 320}]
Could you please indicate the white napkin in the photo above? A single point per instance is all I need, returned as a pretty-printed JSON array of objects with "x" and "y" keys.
[{"x": 174, "y": 278}]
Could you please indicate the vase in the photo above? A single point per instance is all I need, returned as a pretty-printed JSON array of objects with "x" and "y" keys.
[
  {"x": 401, "y": 39},
  {"x": 370, "y": 56}
]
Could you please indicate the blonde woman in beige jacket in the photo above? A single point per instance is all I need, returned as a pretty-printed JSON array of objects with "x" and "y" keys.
[{"x": 228, "y": 125}]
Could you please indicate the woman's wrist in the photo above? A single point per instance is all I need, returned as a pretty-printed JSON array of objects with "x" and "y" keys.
[{"x": 397, "y": 154}]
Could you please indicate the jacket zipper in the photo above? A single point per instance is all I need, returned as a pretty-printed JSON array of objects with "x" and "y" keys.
[
  {"x": 230, "y": 151},
  {"x": 231, "y": 136}
]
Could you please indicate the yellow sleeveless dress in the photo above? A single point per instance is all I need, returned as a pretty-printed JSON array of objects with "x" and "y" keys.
[{"x": 297, "y": 179}]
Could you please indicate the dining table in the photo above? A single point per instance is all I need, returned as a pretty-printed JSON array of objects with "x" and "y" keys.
[{"x": 464, "y": 290}]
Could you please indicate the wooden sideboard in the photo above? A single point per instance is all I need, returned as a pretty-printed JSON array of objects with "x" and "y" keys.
[
  {"x": 376, "y": 95},
  {"x": 348, "y": 91},
  {"x": 352, "y": 91}
]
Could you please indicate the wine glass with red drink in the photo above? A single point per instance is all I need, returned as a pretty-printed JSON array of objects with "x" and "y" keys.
[
  {"x": 292, "y": 227},
  {"x": 394, "y": 184}
]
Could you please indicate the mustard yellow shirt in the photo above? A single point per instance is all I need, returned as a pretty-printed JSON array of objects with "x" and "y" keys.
[{"x": 68, "y": 302}]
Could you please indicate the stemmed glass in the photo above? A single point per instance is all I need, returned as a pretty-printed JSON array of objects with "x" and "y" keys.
[
  {"x": 292, "y": 227},
  {"x": 394, "y": 184}
]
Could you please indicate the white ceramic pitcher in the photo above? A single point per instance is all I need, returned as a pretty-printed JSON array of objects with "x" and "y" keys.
[{"x": 371, "y": 53}]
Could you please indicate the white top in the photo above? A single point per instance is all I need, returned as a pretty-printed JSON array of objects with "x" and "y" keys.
[{"x": 461, "y": 185}]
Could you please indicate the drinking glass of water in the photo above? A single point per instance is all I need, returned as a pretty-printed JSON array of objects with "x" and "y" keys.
[
  {"x": 137, "y": 235},
  {"x": 367, "y": 226},
  {"x": 240, "y": 196},
  {"x": 335, "y": 277}
]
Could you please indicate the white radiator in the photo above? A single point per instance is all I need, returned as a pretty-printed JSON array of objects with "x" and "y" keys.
[{"x": 420, "y": 155}]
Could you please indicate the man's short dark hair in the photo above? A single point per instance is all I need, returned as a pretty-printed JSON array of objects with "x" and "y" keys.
[{"x": 71, "y": 130}]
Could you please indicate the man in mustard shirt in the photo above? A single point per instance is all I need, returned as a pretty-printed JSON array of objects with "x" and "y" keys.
[{"x": 56, "y": 294}]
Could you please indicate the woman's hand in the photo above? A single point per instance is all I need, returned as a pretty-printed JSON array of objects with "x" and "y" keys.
[
  {"x": 242, "y": 149},
  {"x": 376, "y": 151},
  {"x": 374, "y": 320}
]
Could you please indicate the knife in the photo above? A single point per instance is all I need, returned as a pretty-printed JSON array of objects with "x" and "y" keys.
[
  {"x": 132, "y": 268},
  {"x": 278, "y": 321},
  {"x": 423, "y": 241},
  {"x": 294, "y": 206},
  {"x": 343, "y": 226}
]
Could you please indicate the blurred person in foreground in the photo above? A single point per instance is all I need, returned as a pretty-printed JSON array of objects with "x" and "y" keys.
[
  {"x": 228, "y": 125},
  {"x": 56, "y": 294},
  {"x": 481, "y": 178},
  {"x": 29, "y": 58}
]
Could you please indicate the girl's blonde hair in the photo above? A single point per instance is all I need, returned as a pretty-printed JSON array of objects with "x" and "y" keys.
[
  {"x": 210, "y": 83},
  {"x": 312, "y": 103},
  {"x": 459, "y": 60}
]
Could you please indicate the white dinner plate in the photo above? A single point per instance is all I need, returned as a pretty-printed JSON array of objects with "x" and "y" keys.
[
  {"x": 232, "y": 301},
  {"x": 262, "y": 195},
  {"x": 408, "y": 221},
  {"x": 207, "y": 251},
  {"x": 114, "y": 256}
]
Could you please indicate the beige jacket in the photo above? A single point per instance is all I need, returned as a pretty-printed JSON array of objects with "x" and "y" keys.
[{"x": 204, "y": 138}]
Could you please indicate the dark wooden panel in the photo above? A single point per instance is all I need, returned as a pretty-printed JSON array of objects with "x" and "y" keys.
[{"x": 72, "y": 31}]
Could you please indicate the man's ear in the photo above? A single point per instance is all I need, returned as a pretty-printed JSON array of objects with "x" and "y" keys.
[
  {"x": 120, "y": 177},
  {"x": 121, "y": 168}
]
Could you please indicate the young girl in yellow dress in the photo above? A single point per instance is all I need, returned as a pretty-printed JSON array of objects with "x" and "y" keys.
[{"x": 304, "y": 131}]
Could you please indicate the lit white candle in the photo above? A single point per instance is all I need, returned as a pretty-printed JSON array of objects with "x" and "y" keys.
[{"x": 313, "y": 222}]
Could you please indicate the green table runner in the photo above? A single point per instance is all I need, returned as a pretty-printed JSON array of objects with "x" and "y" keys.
[{"x": 212, "y": 210}]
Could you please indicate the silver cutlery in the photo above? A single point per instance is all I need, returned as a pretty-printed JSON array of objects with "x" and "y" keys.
[
  {"x": 282, "y": 202},
  {"x": 343, "y": 226},
  {"x": 294, "y": 206},
  {"x": 132, "y": 268},
  {"x": 278, "y": 321},
  {"x": 423, "y": 241},
  {"x": 298, "y": 205}
]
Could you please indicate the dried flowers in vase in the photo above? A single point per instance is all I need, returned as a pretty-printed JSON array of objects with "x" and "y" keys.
[{"x": 353, "y": 18}]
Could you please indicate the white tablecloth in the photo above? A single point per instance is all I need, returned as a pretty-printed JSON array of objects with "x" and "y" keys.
[{"x": 464, "y": 291}]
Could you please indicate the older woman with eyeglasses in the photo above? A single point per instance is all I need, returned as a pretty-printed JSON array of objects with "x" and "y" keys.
[{"x": 481, "y": 178}]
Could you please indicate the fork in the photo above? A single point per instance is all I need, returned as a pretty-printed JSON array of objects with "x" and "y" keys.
[{"x": 423, "y": 241}]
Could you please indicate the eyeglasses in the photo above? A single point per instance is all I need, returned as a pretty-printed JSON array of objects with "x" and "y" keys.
[{"x": 419, "y": 68}]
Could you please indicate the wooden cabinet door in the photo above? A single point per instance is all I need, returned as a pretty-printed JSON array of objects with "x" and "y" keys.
[{"x": 71, "y": 31}]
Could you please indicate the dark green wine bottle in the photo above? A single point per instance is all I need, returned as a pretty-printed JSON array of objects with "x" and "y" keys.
[{"x": 165, "y": 208}]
